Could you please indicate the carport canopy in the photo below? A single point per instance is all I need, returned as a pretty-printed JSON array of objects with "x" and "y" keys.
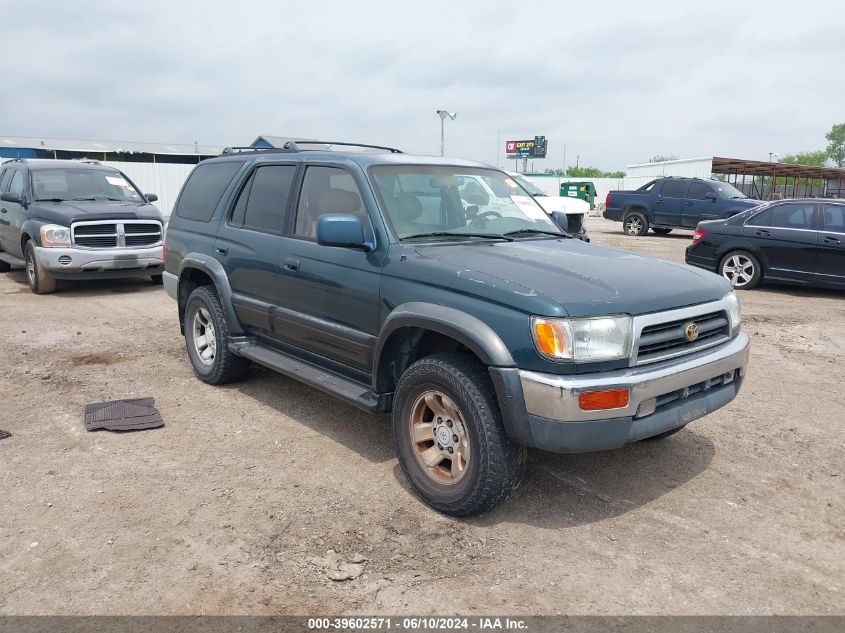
[{"x": 764, "y": 168}]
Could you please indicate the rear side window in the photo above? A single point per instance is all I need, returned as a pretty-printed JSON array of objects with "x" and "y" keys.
[
  {"x": 834, "y": 218},
  {"x": 674, "y": 189},
  {"x": 785, "y": 216},
  {"x": 204, "y": 188},
  {"x": 699, "y": 191},
  {"x": 263, "y": 200}
]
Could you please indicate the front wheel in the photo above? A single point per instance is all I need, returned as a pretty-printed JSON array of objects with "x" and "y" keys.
[
  {"x": 40, "y": 281},
  {"x": 635, "y": 224},
  {"x": 206, "y": 336},
  {"x": 742, "y": 269},
  {"x": 450, "y": 438}
]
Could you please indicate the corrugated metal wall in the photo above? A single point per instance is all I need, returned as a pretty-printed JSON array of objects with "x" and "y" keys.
[
  {"x": 638, "y": 175},
  {"x": 163, "y": 179}
]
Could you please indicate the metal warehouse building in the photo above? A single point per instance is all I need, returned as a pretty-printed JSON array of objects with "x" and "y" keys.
[{"x": 157, "y": 168}]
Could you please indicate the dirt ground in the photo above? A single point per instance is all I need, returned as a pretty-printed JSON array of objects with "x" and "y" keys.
[{"x": 252, "y": 493}]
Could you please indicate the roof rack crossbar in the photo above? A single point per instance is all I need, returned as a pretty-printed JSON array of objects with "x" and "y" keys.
[{"x": 294, "y": 146}]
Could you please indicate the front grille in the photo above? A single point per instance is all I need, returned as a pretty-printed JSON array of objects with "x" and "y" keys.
[
  {"x": 665, "y": 340},
  {"x": 120, "y": 234}
]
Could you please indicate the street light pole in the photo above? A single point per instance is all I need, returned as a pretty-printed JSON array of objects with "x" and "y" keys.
[{"x": 443, "y": 114}]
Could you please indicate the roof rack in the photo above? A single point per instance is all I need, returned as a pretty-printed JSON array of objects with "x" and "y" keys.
[{"x": 294, "y": 146}]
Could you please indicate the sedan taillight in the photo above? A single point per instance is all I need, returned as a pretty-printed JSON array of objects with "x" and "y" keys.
[{"x": 696, "y": 237}]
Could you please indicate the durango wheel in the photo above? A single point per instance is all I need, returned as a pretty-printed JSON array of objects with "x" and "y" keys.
[
  {"x": 742, "y": 269},
  {"x": 40, "y": 281},
  {"x": 450, "y": 438},
  {"x": 635, "y": 224}
]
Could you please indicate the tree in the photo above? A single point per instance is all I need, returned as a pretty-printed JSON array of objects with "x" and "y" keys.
[
  {"x": 662, "y": 159},
  {"x": 836, "y": 144},
  {"x": 585, "y": 172},
  {"x": 816, "y": 159}
]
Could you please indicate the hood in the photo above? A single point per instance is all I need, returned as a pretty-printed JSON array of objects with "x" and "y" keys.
[
  {"x": 75, "y": 210},
  {"x": 586, "y": 280},
  {"x": 569, "y": 206}
]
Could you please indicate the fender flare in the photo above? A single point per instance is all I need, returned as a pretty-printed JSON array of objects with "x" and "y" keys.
[
  {"x": 214, "y": 269},
  {"x": 464, "y": 328}
]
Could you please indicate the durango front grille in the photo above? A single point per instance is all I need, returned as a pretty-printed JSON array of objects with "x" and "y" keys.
[
  {"x": 659, "y": 341},
  {"x": 119, "y": 234}
]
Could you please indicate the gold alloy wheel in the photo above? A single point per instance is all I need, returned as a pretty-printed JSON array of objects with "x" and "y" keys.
[{"x": 439, "y": 437}]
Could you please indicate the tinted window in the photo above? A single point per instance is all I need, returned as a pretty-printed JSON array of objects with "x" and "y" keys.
[
  {"x": 785, "y": 216},
  {"x": 268, "y": 192},
  {"x": 699, "y": 191},
  {"x": 674, "y": 189},
  {"x": 204, "y": 189},
  {"x": 325, "y": 190},
  {"x": 5, "y": 177},
  {"x": 834, "y": 218},
  {"x": 16, "y": 186}
]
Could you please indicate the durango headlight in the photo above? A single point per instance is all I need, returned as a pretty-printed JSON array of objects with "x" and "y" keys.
[
  {"x": 53, "y": 235},
  {"x": 734, "y": 311},
  {"x": 583, "y": 340}
]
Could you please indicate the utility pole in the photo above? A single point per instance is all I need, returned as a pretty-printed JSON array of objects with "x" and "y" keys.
[{"x": 443, "y": 114}]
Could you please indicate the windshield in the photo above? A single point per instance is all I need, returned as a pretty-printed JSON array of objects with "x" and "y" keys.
[
  {"x": 82, "y": 184},
  {"x": 728, "y": 191},
  {"x": 420, "y": 200},
  {"x": 529, "y": 186}
]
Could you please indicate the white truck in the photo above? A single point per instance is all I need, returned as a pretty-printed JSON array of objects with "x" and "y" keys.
[{"x": 474, "y": 188}]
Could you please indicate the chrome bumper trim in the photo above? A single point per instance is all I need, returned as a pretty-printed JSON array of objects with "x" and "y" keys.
[
  {"x": 556, "y": 397},
  {"x": 68, "y": 260}
]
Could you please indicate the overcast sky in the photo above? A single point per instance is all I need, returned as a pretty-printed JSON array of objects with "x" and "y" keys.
[{"x": 616, "y": 82}]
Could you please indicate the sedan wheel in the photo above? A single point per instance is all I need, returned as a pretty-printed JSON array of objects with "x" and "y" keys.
[{"x": 741, "y": 269}]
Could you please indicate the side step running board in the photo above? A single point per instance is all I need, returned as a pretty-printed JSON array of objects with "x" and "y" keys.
[
  {"x": 356, "y": 393},
  {"x": 11, "y": 259}
]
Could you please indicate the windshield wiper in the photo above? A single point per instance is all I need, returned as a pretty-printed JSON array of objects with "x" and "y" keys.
[
  {"x": 489, "y": 236},
  {"x": 49, "y": 199},
  {"x": 536, "y": 231},
  {"x": 95, "y": 198}
]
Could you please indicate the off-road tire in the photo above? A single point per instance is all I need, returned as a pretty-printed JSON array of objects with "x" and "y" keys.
[
  {"x": 659, "y": 230},
  {"x": 635, "y": 224},
  {"x": 157, "y": 279},
  {"x": 40, "y": 281},
  {"x": 226, "y": 366},
  {"x": 496, "y": 463},
  {"x": 661, "y": 436},
  {"x": 739, "y": 257}
]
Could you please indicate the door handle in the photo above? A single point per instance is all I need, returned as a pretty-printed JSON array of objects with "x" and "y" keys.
[
  {"x": 688, "y": 203},
  {"x": 831, "y": 240},
  {"x": 291, "y": 263},
  {"x": 223, "y": 250},
  {"x": 763, "y": 233}
]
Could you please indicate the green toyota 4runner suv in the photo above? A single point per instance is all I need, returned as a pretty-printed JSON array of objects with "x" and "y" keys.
[{"x": 362, "y": 272}]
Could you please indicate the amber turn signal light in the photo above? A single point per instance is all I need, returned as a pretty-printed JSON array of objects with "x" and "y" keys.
[{"x": 598, "y": 400}]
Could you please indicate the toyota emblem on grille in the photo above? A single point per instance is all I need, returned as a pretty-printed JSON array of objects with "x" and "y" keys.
[{"x": 691, "y": 331}]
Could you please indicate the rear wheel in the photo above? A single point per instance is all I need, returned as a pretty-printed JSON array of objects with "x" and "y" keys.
[
  {"x": 660, "y": 230},
  {"x": 206, "y": 337},
  {"x": 635, "y": 224},
  {"x": 450, "y": 438},
  {"x": 742, "y": 269},
  {"x": 40, "y": 281}
]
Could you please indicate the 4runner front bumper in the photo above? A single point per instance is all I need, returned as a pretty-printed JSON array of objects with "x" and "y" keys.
[
  {"x": 546, "y": 412},
  {"x": 72, "y": 263}
]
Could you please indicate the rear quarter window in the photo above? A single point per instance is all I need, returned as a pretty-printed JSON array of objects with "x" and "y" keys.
[{"x": 204, "y": 188}]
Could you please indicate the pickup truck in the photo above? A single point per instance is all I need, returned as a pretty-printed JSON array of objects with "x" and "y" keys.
[
  {"x": 674, "y": 203},
  {"x": 568, "y": 213},
  {"x": 479, "y": 330},
  {"x": 67, "y": 219}
]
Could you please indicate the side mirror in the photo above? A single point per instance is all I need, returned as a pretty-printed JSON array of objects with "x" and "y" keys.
[
  {"x": 560, "y": 219},
  {"x": 151, "y": 197},
  {"x": 342, "y": 229},
  {"x": 11, "y": 197},
  {"x": 711, "y": 196}
]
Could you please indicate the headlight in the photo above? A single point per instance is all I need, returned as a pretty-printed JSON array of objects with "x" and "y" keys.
[
  {"x": 734, "y": 310},
  {"x": 583, "y": 340},
  {"x": 53, "y": 235}
]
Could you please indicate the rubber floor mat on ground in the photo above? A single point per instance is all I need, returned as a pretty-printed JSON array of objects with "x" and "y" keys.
[
  {"x": 123, "y": 415},
  {"x": 4, "y": 435}
]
